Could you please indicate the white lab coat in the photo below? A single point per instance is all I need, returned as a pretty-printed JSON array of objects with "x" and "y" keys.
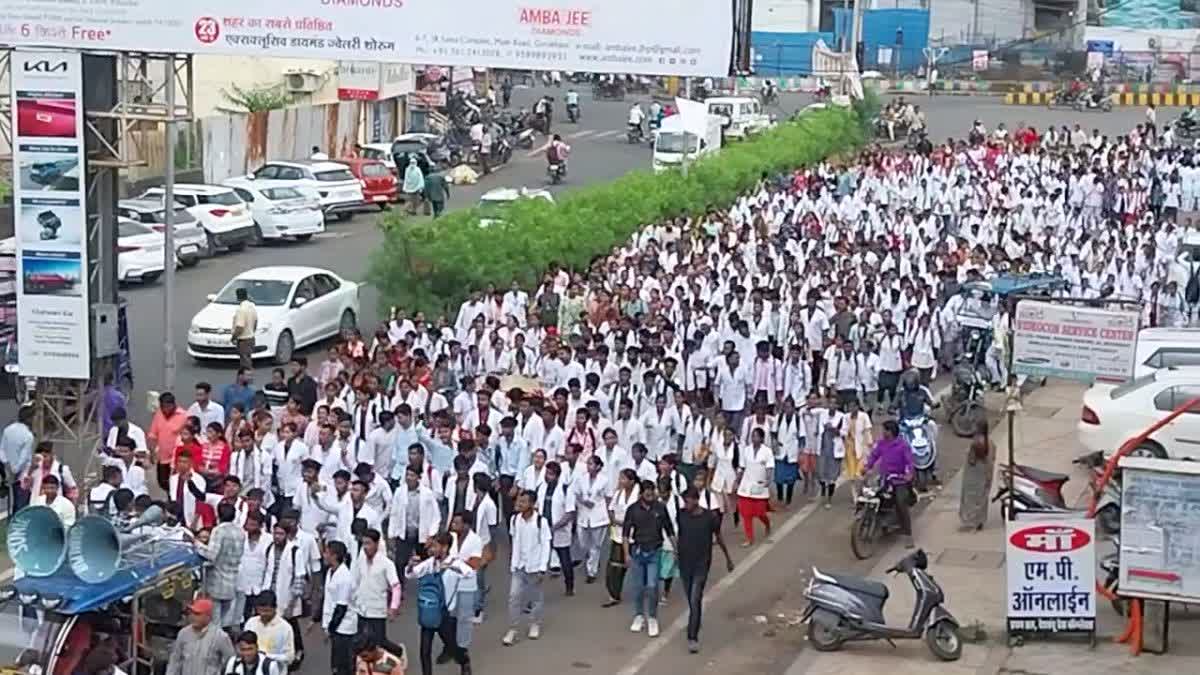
[
  {"x": 428, "y": 519},
  {"x": 562, "y": 502}
]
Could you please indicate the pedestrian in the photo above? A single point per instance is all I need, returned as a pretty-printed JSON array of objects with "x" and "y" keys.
[
  {"x": 379, "y": 659},
  {"x": 16, "y": 451},
  {"x": 415, "y": 516},
  {"x": 625, "y": 495},
  {"x": 249, "y": 660},
  {"x": 557, "y": 501},
  {"x": 245, "y": 326},
  {"x": 200, "y": 648},
  {"x": 286, "y": 576},
  {"x": 893, "y": 459},
  {"x": 754, "y": 486},
  {"x": 413, "y": 186},
  {"x": 377, "y": 587},
  {"x": 485, "y": 150},
  {"x": 303, "y": 387},
  {"x": 531, "y": 546},
  {"x": 276, "y": 640},
  {"x": 240, "y": 392},
  {"x": 857, "y": 430},
  {"x": 591, "y": 494},
  {"x": 51, "y": 496},
  {"x": 444, "y": 585},
  {"x": 831, "y": 453},
  {"x": 725, "y": 453},
  {"x": 486, "y": 524},
  {"x": 698, "y": 529},
  {"x": 337, "y": 616},
  {"x": 977, "y": 480},
  {"x": 437, "y": 191},
  {"x": 789, "y": 438},
  {"x": 163, "y": 436},
  {"x": 645, "y": 527},
  {"x": 224, "y": 550},
  {"x": 668, "y": 493}
]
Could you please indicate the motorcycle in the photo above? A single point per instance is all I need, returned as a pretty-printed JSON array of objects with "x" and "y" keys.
[
  {"x": 573, "y": 112},
  {"x": 874, "y": 518},
  {"x": 1185, "y": 131},
  {"x": 557, "y": 171},
  {"x": 914, "y": 430},
  {"x": 635, "y": 134},
  {"x": 770, "y": 97},
  {"x": 1034, "y": 490},
  {"x": 1108, "y": 502},
  {"x": 967, "y": 413},
  {"x": 1111, "y": 566},
  {"x": 1066, "y": 97},
  {"x": 845, "y": 608},
  {"x": 1088, "y": 101}
]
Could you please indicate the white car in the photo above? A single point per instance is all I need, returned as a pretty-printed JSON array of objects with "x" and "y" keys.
[
  {"x": 223, "y": 215},
  {"x": 493, "y": 202},
  {"x": 139, "y": 252},
  {"x": 1112, "y": 415},
  {"x": 418, "y": 142},
  {"x": 281, "y": 212},
  {"x": 297, "y": 307},
  {"x": 191, "y": 241},
  {"x": 341, "y": 194}
]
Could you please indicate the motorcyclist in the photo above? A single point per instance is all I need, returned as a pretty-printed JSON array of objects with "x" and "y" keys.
[
  {"x": 557, "y": 152},
  {"x": 913, "y": 402},
  {"x": 572, "y": 102},
  {"x": 543, "y": 111},
  {"x": 1188, "y": 119},
  {"x": 768, "y": 91},
  {"x": 636, "y": 117},
  {"x": 656, "y": 114}
]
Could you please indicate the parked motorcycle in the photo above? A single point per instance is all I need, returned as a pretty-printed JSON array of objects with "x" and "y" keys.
[
  {"x": 874, "y": 518},
  {"x": 914, "y": 430},
  {"x": 845, "y": 608},
  {"x": 967, "y": 413},
  {"x": 1108, "y": 502},
  {"x": 1034, "y": 490},
  {"x": 557, "y": 172}
]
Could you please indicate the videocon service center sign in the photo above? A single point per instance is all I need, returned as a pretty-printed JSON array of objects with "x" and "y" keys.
[{"x": 664, "y": 37}]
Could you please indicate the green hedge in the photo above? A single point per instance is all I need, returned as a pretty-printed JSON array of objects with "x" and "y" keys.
[{"x": 433, "y": 265}]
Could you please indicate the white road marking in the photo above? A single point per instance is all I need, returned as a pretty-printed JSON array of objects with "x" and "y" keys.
[
  {"x": 582, "y": 134},
  {"x": 538, "y": 151},
  {"x": 608, "y": 134},
  {"x": 332, "y": 235}
]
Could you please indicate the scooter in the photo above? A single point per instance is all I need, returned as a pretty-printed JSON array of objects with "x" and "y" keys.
[
  {"x": 923, "y": 448},
  {"x": 557, "y": 171},
  {"x": 573, "y": 112},
  {"x": 844, "y": 608},
  {"x": 1087, "y": 101},
  {"x": 635, "y": 134}
]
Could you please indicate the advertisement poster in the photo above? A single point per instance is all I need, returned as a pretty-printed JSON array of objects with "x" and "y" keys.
[
  {"x": 1074, "y": 343},
  {"x": 358, "y": 80},
  {"x": 49, "y": 215},
  {"x": 667, "y": 37},
  {"x": 1051, "y": 565},
  {"x": 1160, "y": 534}
]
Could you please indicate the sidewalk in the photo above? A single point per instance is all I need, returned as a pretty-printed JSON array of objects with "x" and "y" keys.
[{"x": 970, "y": 568}]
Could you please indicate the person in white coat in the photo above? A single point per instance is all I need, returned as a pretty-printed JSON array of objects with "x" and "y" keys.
[
  {"x": 347, "y": 504},
  {"x": 531, "y": 545},
  {"x": 286, "y": 574},
  {"x": 754, "y": 481},
  {"x": 415, "y": 516},
  {"x": 724, "y": 468},
  {"x": 789, "y": 438},
  {"x": 924, "y": 340},
  {"x": 591, "y": 502},
  {"x": 556, "y": 501}
]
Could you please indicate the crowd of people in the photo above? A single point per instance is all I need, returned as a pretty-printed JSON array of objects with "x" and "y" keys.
[{"x": 608, "y": 422}]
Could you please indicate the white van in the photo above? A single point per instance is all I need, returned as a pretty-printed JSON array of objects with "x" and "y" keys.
[
  {"x": 671, "y": 138},
  {"x": 743, "y": 115}
]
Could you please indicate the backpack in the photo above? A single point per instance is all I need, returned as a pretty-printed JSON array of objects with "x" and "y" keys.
[{"x": 431, "y": 600}]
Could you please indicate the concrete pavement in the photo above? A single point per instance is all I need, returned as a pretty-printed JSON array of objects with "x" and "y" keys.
[{"x": 970, "y": 568}]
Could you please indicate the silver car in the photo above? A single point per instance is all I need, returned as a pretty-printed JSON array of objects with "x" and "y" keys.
[{"x": 191, "y": 242}]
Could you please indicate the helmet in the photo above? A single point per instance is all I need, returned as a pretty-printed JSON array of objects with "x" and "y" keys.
[{"x": 910, "y": 379}]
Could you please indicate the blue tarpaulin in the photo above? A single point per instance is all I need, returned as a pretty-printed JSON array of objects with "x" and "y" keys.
[
  {"x": 81, "y": 597},
  {"x": 785, "y": 54}
]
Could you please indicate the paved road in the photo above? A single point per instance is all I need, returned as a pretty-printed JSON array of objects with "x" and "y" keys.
[{"x": 742, "y": 632}]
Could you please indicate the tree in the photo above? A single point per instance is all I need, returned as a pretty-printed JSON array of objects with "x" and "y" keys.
[{"x": 257, "y": 99}]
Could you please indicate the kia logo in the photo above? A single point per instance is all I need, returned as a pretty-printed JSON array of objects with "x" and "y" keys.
[
  {"x": 46, "y": 66},
  {"x": 1050, "y": 539}
]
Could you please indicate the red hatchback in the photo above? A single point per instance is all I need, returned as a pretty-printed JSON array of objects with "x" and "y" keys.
[{"x": 379, "y": 185}]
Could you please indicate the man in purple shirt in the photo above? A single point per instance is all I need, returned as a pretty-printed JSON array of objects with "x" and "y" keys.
[{"x": 894, "y": 460}]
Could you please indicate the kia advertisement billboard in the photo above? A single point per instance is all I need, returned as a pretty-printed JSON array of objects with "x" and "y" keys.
[{"x": 665, "y": 37}]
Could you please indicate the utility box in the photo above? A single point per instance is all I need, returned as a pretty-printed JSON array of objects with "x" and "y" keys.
[{"x": 106, "y": 335}]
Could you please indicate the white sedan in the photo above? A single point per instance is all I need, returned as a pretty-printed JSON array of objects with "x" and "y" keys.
[
  {"x": 281, "y": 212},
  {"x": 1112, "y": 415},
  {"x": 297, "y": 307},
  {"x": 139, "y": 252}
]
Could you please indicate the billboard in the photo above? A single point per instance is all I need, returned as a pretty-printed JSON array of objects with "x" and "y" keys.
[
  {"x": 1074, "y": 343},
  {"x": 50, "y": 215},
  {"x": 1144, "y": 14},
  {"x": 1051, "y": 565},
  {"x": 667, "y": 37},
  {"x": 359, "y": 80}
]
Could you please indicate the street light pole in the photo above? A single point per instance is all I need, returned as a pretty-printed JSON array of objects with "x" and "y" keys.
[{"x": 169, "y": 364}]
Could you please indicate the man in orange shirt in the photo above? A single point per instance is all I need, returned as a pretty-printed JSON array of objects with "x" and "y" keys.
[{"x": 164, "y": 435}]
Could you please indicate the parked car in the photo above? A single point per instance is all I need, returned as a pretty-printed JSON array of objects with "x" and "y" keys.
[
  {"x": 282, "y": 212},
  {"x": 1112, "y": 415},
  {"x": 140, "y": 252},
  {"x": 493, "y": 202},
  {"x": 191, "y": 241},
  {"x": 297, "y": 307},
  {"x": 379, "y": 183},
  {"x": 419, "y": 143},
  {"x": 223, "y": 215},
  {"x": 341, "y": 194}
]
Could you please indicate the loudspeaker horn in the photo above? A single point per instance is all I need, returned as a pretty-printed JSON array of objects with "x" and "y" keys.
[{"x": 37, "y": 541}]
